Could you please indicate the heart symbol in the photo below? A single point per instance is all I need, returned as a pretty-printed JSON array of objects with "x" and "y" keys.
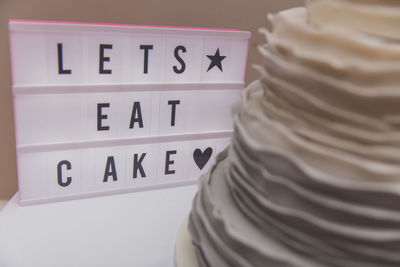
[{"x": 201, "y": 158}]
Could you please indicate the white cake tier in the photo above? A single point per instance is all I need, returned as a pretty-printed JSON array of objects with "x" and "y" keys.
[{"x": 377, "y": 17}]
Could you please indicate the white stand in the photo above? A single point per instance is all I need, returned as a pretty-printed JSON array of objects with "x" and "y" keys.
[{"x": 185, "y": 252}]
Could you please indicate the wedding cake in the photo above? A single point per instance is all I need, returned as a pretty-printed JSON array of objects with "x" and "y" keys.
[{"x": 312, "y": 175}]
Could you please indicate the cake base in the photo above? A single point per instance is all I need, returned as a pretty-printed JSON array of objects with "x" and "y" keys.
[{"x": 185, "y": 252}]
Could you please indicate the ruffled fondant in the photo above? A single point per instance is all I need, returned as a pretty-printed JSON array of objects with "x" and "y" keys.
[{"x": 312, "y": 174}]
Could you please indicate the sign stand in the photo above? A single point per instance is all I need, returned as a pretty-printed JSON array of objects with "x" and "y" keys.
[{"x": 103, "y": 109}]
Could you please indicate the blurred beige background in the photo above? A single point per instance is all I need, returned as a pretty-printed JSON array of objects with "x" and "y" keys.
[{"x": 239, "y": 14}]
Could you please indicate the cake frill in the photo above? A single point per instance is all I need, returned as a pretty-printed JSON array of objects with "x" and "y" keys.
[{"x": 312, "y": 174}]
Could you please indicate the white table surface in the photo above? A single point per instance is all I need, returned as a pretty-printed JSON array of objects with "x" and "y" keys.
[{"x": 136, "y": 229}]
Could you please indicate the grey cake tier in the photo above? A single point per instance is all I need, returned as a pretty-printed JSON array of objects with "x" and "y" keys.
[{"x": 261, "y": 206}]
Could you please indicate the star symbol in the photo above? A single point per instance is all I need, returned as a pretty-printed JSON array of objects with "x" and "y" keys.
[{"x": 216, "y": 60}]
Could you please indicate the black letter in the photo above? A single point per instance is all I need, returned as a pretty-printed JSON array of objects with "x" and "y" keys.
[
  {"x": 182, "y": 69},
  {"x": 146, "y": 49},
  {"x": 103, "y": 58},
  {"x": 60, "y": 60},
  {"x": 137, "y": 165},
  {"x": 136, "y": 110},
  {"x": 100, "y": 117},
  {"x": 59, "y": 173},
  {"x": 173, "y": 103},
  {"x": 169, "y": 162},
  {"x": 110, "y": 170}
]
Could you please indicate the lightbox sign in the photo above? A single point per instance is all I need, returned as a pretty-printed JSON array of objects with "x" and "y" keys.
[{"x": 103, "y": 109}]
